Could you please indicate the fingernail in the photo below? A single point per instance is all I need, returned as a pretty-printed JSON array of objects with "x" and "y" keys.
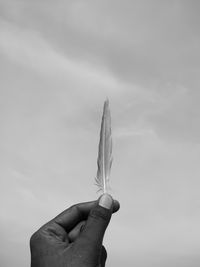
[{"x": 106, "y": 201}]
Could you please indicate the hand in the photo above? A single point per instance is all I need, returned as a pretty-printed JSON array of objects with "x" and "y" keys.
[{"x": 74, "y": 238}]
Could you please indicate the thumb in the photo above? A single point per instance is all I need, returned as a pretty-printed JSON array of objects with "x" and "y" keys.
[{"x": 97, "y": 222}]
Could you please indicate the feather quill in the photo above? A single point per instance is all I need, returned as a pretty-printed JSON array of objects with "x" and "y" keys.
[{"x": 104, "y": 160}]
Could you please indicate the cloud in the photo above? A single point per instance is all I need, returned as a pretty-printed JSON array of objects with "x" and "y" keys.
[
  {"x": 136, "y": 47},
  {"x": 138, "y": 41},
  {"x": 31, "y": 50}
]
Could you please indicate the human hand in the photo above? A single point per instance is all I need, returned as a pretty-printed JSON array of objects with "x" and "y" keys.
[{"x": 74, "y": 238}]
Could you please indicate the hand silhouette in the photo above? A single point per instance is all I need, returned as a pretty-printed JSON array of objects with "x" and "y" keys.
[{"x": 74, "y": 238}]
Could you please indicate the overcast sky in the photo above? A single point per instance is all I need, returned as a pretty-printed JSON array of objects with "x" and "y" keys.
[{"x": 59, "y": 60}]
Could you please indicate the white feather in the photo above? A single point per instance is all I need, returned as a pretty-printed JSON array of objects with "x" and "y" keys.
[{"x": 104, "y": 160}]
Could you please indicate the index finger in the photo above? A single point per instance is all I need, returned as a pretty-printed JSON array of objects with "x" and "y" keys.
[{"x": 70, "y": 217}]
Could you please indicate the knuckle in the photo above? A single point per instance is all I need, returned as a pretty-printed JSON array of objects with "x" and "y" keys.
[{"x": 34, "y": 238}]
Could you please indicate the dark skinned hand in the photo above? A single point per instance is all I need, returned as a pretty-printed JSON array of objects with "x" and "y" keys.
[{"x": 74, "y": 238}]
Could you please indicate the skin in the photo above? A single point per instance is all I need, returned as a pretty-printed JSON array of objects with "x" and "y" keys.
[{"x": 73, "y": 238}]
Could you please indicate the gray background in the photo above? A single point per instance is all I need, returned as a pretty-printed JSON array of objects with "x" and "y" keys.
[{"x": 59, "y": 60}]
